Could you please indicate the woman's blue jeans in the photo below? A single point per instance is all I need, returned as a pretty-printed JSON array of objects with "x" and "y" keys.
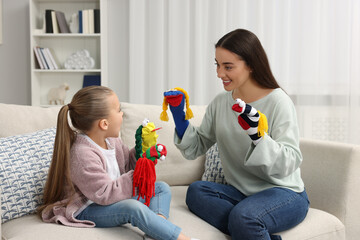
[
  {"x": 254, "y": 217},
  {"x": 137, "y": 213}
]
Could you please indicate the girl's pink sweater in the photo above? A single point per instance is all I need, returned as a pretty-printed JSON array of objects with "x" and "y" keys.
[{"x": 91, "y": 181}]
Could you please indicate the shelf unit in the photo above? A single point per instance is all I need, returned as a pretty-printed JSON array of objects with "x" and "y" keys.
[{"x": 63, "y": 45}]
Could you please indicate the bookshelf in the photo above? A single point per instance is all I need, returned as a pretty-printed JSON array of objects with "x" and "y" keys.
[{"x": 62, "y": 45}]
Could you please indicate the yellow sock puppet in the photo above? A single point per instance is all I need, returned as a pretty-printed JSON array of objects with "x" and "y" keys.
[{"x": 147, "y": 153}]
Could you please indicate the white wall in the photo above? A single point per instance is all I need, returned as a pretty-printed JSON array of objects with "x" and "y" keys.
[
  {"x": 118, "y": 46},
  {"x": 14, "y": 53},
  {"x": 15, "y": 87},
  {"x": 330, "y": 121}
]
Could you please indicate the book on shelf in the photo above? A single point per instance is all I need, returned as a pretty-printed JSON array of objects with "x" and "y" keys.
[
  {"x": 80, "y": 21},
  {"x": 46, "y": 66},
  {"x": 45, "y": 59},
  {"x": 52, "y": 60},
  {"x": 63, "y": 26},
  {"x": 42, "y": 58},
  {"x": 96, "y": 20},
  {"x": 85, "y": 21},
  {"x": 38, "y": 63},
  {"x": 48, "y": 21},
  {"x": 91, "y": 80},
  {"x": 54, "y": 22},
  {"x": 89, "y": 21}
]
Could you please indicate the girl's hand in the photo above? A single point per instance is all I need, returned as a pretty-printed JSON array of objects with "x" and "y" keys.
[
  {"x": 156, "y": 152},
  {"x": 130, "y": 174}
]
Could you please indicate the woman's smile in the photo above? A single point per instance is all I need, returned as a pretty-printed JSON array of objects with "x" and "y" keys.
[{"x": 226, "y": 82}]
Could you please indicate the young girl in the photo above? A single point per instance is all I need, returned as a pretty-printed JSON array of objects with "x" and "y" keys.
[
  {"x": 265, "y": 193},
  {"x": 90, "y": 178}
]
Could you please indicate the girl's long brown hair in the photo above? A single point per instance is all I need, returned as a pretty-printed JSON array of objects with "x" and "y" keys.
[{"x": 88, "y": 105}]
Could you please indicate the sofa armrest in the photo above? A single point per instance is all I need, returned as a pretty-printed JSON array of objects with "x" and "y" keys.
[{"x": 330, "y": 171}]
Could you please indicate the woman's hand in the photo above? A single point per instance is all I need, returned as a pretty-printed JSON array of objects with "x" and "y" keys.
[
  {"x": 248, "y": 119},
  {"x": 176, "y": 100}
]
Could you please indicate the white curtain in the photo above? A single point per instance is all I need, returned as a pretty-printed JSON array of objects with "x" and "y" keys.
[{"x": 312, "y": 45}]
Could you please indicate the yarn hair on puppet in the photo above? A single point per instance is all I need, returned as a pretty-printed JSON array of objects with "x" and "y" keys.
[
  {"x": 176, "y": 100},
  {"x": 263, "y": 125},
  {"x": 147, "y": 152}
]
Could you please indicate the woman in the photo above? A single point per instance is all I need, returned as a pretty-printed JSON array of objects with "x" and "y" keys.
[{"x": 265, "y": 193}]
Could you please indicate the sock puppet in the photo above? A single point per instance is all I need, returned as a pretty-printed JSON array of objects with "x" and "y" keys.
[
  {"x": 176, "y": 98},
  {"x": 252, "y": 121},
  {"x": 147, "y": 152}
]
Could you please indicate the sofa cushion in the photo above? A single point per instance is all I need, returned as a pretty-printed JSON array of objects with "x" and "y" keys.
[
  {"x": 318, "y": 225},
  {"x": 213, "y": 168},
  {"x": 24, "y": 165},
  {"x": 31, "y": 227},
  {"x": 21, "y": 119}
]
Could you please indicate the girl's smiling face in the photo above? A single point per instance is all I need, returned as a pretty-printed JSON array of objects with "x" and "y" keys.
[{"x": 231, "y": 69}]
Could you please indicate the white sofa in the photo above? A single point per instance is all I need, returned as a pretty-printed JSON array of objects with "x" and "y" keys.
[{"x": 330, "y": 171}]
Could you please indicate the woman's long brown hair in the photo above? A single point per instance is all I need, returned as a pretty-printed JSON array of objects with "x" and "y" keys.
[
  {"x": 248, "y": 47},
  {"x": 88, "y": 105}
]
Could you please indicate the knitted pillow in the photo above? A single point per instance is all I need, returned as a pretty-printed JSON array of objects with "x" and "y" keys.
[
  {"x": 213, "y": 168},
  {"x": 24, "y": 163}
]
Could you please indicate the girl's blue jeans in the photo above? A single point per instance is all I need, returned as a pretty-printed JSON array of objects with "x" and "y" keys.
[
  {"x": 253, "y": 217},
  {"x": 137, "y": 213}
]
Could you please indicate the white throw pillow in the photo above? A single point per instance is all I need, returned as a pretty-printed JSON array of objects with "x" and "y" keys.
[
  {"x": 213, "y": 168},
  {"x": 24, "y": 164}
]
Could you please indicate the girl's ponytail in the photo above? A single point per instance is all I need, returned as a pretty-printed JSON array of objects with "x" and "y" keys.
[{"x": 59, "y": 172}]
